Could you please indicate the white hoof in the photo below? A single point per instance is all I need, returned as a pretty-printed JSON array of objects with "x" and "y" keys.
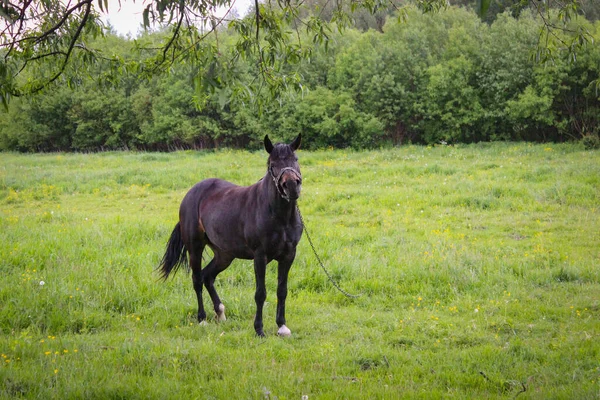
[
  {"x": 284, "y": 331},
  {"x": 203, "y": 323},
  {"x": 221, "y": 314}
]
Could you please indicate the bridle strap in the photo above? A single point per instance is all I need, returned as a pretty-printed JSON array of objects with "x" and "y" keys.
[{"x": 278, "y": 178}]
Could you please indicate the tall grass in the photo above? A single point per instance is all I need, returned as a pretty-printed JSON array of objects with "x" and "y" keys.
[{"x": 478, "y": 268}]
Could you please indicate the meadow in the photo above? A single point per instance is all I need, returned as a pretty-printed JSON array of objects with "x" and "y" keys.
[{"x": 478, "y": 269}]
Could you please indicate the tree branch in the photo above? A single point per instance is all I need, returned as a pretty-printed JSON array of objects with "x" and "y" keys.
[
  {"x": 173, "y": 37},
  {"x": 63, "y": 20},
  {"x": 20, "y": 29},
  {"x": 69, "y": 51}
]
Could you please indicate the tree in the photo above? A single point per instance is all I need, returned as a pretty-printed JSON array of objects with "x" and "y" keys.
[
  {"x": 427, "y": 78},
  {"x": 43, "y": 39},
  {"x": 39, "y": 123},
  {"x": 327, "y": 118}
]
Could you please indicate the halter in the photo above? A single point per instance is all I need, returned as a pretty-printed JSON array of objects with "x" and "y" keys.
[{"x": 276, "y": 180}]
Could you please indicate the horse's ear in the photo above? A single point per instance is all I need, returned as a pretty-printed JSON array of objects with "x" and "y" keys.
[
  {"x": 295, "y": 145},
  {"x": 268, "y": 144}
]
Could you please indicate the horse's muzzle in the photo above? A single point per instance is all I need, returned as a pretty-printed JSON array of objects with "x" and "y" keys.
[{"x": 291, "y": 188}]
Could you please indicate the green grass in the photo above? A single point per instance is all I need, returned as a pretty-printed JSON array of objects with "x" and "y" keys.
[{"x": 479, "y": 269}]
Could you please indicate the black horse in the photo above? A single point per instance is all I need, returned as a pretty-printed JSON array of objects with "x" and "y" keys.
[{"x": 258, "y": 222}]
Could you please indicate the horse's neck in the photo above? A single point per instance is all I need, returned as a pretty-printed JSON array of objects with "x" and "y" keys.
[{"x": 286, "y": 210}]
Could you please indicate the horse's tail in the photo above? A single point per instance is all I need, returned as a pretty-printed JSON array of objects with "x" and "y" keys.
[{"x": 175, "y": 255}]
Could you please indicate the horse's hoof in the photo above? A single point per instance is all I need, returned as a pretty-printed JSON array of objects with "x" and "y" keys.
[
  {"x": 203, "y": 323},
  {"x": 284, "y": 331},
  {"x": 221, "y": 313}
]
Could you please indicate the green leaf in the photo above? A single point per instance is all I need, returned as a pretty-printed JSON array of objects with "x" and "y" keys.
[
  {"x": 4, "y": 97},
  {"x": 482, "y": 7},
  {"x": 146, "y": 16}
]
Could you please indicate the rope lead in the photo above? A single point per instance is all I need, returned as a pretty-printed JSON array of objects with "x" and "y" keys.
[{"x": 353, "y": 296}]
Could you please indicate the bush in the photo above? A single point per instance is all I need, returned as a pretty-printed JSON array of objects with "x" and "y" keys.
[{"x": 591, "y": 141}]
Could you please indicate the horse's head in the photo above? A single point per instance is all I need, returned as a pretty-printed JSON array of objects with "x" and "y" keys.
[{"x": 283, "y": 167}]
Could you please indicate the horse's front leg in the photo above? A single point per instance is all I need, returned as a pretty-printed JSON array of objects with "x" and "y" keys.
[
  {"x": 260, "y": 266},
  {"x": 283, "y": 269}
]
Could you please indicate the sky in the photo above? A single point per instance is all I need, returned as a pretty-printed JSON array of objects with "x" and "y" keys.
[{"x": 126, "y": 17}]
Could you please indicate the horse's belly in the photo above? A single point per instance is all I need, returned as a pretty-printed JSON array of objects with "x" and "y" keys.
[
  {"x": 243, "y": 253},
  {"x": 227, "y": 241}
]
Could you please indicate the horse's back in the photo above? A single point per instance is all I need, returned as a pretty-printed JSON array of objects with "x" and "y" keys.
[{"x": 203, "y": 190}]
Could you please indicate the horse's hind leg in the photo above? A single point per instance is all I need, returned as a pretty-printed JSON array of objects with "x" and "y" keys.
[
  {"x": 210, "y": 272},
  {"x": 195, "y": 255}
]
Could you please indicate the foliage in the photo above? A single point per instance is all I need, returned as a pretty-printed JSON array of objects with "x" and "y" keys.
[
  {"x": 426, "y": 78},
  {"x": 591, "y": 141},
  {"x": 327, "y": 118},
  {"x": 39, "y": 124},
  {"x": 45, "y": 42},
  {"x": 480, "y": 278}
]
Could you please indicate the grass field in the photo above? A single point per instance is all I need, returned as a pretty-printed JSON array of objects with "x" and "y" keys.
[{"x": 478, "y": 268}]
